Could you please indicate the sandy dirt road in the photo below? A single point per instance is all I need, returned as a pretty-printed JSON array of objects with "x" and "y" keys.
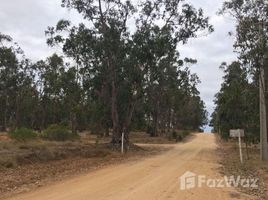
[{"x": 155, "y": 178}]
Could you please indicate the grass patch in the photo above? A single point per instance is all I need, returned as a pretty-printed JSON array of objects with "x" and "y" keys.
[
  {"x": 179, "y": 135},
  {"x": 22, "y": 134},
  {"x": 58, "y": 133},
  {"x": 8, "y": 162},
  {"x": 252, "y": 168}
]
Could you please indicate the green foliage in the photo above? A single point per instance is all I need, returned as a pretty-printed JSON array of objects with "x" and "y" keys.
[
  {"x": 58, "y": 133},
  {"x": 236, "y": 103},
  {"x": 251, "y": 43},
  {"x": 125, "y": 69},
  {"x": 174, "y": 134},
  {"x": 180, "y": 135},
  {"x": 121, "y": 77},
  {"x": 22, "y": 134},
  {"x": 251, "y": 30},
  {"x": 150, "y": 130}
]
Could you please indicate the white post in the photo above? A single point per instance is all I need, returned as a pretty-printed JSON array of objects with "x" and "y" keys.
[
  {"x": 122, "y": 142},
  {"x": 240, "y": 148}
]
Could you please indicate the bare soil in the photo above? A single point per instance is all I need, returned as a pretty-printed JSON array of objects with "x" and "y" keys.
[
  {"x": 150, "y": 178},
  {"x": 28, "y": 165},
  {"x": 252, "y": 166}
]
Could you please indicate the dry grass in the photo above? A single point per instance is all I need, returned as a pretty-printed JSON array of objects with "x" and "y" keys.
[
  {"x": 142, "y": 137},
  {"x": 26, "y": 165},
  {"x": 14, "y": 153},
  {"x": 32, "y": 175},
  {"x": 252, "y": 167}
]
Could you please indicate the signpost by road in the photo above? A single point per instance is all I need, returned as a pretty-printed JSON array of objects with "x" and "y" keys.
[{"x": 238, "y": 133}]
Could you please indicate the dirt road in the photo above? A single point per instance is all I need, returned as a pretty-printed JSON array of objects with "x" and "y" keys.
[{"x": 152, "y": 178}]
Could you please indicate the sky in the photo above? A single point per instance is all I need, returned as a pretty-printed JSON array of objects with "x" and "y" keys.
[{"x": 26, "y": 21}]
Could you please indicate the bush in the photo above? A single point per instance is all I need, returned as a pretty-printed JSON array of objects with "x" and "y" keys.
[
  {"x": 150, "y": 130},
  {"x": 174, "y": 134},
  {"x": 185, "y": 133},
  {"x": 58, "y": 133},
  {"x": 179, "y": 136},
  {"x": 9, "y": 162},
  {"x": 23, "y": 134}
]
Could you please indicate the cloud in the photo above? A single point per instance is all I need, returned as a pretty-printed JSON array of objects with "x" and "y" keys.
[
  {"x": 211, "y": 51},
  {"x": 26, "y": 22}
]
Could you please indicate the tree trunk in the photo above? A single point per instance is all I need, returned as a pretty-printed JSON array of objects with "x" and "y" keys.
[
  {"x": 126, "y": 126},
  {"x": 17, "y": 114},
  {"x": 73, "y": 122},
  {"x": 263, "y": 120},
  {"x": 115, "y": 118},
  {"x": 4, "y": 127},
  {"x": 155, "y": 120}
]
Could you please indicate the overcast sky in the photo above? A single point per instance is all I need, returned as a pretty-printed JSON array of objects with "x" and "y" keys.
[{"x": 25, "y": 21}]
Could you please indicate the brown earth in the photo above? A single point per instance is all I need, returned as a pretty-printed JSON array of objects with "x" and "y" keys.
[
  {"x": 36, "y": 173},
  {"x": 151, "y": 178},
  {"x": 252, "y": 167}
]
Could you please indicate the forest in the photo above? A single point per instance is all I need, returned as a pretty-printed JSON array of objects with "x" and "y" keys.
[
  {"x": 112, "y": 75},
  {"x": 238, "y": 101}
]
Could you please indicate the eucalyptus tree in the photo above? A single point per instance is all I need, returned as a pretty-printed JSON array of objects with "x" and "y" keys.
[
  {"x": 50, "y": 90},
  {"x": 251, "y": 43},
  {"x": 60, "y": 93},
  {"x": 72, "y": 96},
  {"x": 251, "y": 29},
  {"x": 232, "y": 104},
  {"x": 17, "y": 92},
  {"x": 125, "y": 57}
]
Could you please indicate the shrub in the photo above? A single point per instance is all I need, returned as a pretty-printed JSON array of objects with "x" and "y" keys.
[
  {"x": 9, "y": 162},
  {"x": 44, "y": 153},
  {"x": 150, "y": 130},
  {"x": 185, "y": 133},
  {"x": 179, "y": 138},
  {"x": 174, "y": 134},
  {"x": 22, "y": 134},
  {"x": 58, "y": 133}
]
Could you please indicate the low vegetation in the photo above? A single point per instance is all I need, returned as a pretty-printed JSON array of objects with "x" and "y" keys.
[
  {"x": 253, "y": 167},
  {"x": 13, "y": 153},
  {"x": 57, "y": 143},
  {"x": 58, "y": 133},
  {"x": 180, "y": 135},
  {"x": 32, "y": 163},
  {"x": 23, "y": 134}
]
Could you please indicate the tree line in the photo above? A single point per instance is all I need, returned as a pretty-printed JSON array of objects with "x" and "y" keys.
[
  {"x": 237, "y": 103},
  {"x": 119, "y": 69}
]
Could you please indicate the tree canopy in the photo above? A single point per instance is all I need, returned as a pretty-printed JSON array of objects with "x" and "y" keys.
[{"x": 119, "y": 68}]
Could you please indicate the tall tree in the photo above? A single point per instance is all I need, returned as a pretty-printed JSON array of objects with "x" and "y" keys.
[
  {"x": 107, "y": 45},
  {"x": 236, "y": 102},
  {"x": 17, "y": 91},
  {"x": 251, "y": 43}
]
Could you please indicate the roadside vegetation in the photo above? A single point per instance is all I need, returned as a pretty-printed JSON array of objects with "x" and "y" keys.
[
  {"x": 108, "y": 78},
  {"x": 31, "y": 148},
  {"x": 238, "y": 101},
  {"x": 22, "y": 134},
  {"x": 27, "y": 164},
  {"x": 253, "y": 167}
]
